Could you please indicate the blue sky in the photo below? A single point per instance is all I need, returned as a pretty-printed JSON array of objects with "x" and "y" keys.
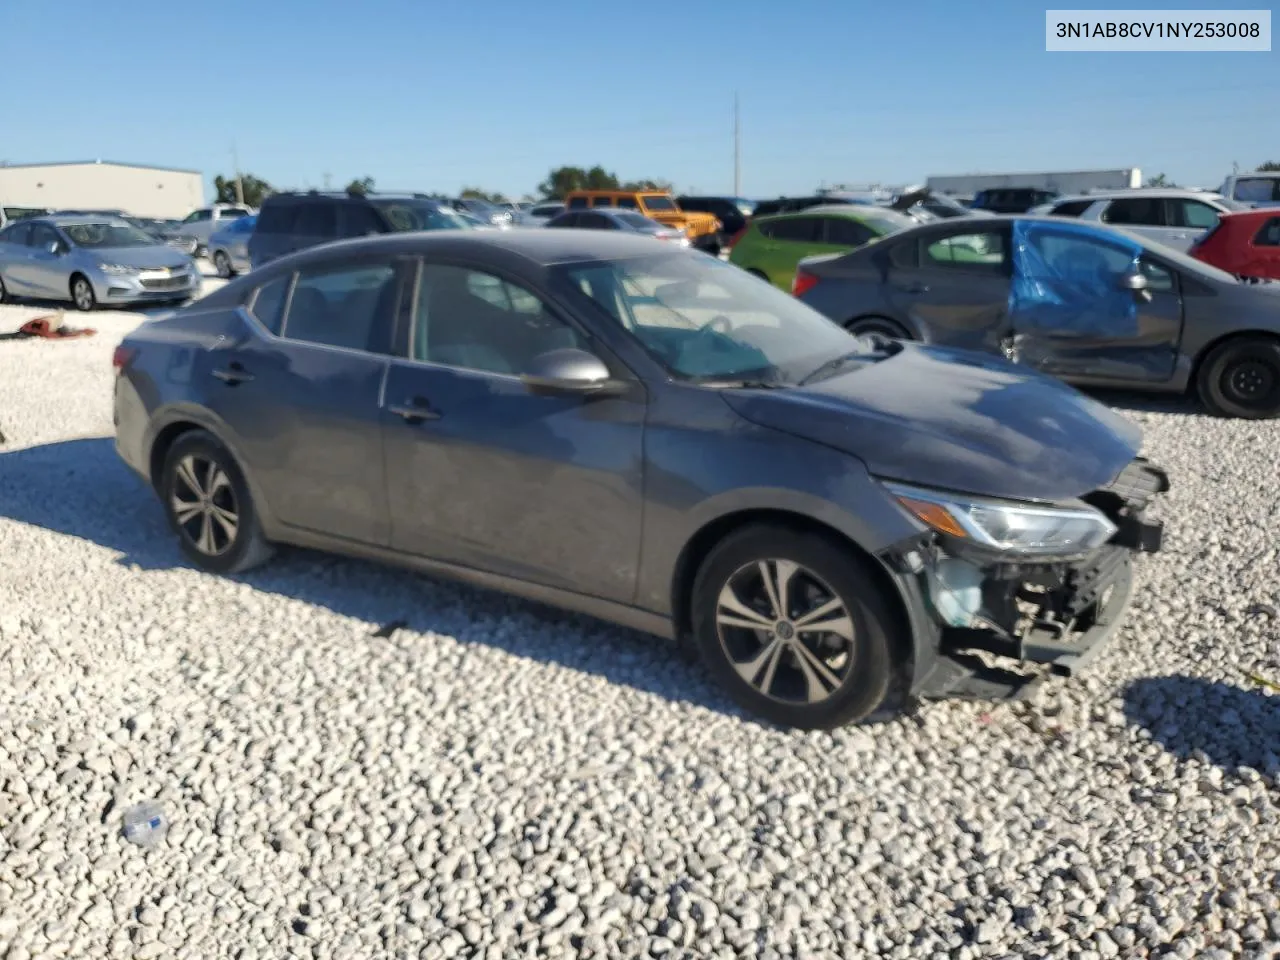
[{"x": 435, "y": 96}]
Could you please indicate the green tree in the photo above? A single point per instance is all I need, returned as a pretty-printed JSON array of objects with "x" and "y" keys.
[
  {"x": 475, "y": 193},
  {"x": 564, "y": 180},
  {"x": 1270, "y": 165},
  {"x": 1160, "y": 180},
  {"x": 361, "y": 185},
  {"x": 660, "y": 185},
  {"x": 255, "y": 189}
]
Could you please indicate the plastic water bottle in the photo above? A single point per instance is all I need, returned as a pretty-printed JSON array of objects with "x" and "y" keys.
[{"x": 145, "y": 824}]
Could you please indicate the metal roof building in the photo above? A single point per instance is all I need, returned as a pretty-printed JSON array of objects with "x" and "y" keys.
[{"x": 144, "y": 191}]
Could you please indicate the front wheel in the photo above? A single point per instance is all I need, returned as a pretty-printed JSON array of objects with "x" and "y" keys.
[
  {"x": 795, "y": 626},
  {"x": 881, "y": 325},
  {"x": 209, "y": 506},
  {"x": 82, "y": 294},
  {"x": 1241, "y": 378}
]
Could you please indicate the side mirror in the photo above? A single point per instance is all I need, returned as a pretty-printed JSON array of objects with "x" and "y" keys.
[
  {"x": 1137, "y": 284},
  {"x": 569, "y": 371}
]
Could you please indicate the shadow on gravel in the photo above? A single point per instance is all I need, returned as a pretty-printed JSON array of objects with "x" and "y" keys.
[
  {"x": 1148, "y": 402},
  {"x": 80, "y": 488},
  {"x": 1231, "y": 726}
]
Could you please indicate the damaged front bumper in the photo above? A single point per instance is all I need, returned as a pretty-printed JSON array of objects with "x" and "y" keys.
[{"x": 1008, "y": 625}]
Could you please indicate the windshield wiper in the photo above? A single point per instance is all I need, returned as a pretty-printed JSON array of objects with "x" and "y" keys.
[
  {"x": 733, "y": 383},
  {"x": 831, "y": 366}
]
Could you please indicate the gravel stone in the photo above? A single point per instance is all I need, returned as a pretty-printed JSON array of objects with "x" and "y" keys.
[{"x": 498, "y": 780}]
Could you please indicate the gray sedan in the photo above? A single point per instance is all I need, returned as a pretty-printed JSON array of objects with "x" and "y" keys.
[
  {"x": 229, "y": 247},
  {"x": 605, "y": 218},
  {"x": 621, "y": 428},
  {"x": 91, "y": 261},
  {"x": 1092, "y": 305}
]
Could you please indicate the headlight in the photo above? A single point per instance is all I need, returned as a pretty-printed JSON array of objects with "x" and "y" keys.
[
  {"x": 1023, "y": 529},
  {"x": 117, "y": 269}
]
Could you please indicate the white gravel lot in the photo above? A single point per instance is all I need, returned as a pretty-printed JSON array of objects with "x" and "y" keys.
[{"x": 496, "y": 780}]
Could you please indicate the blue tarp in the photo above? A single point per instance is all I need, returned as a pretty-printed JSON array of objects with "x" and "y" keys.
[{"x": 1066, "y": 279}]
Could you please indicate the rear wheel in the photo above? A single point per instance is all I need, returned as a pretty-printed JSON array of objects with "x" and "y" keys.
[
  {"x": 795, "y": 626},
  {"x": 881, "y": 325},
  {"x": 1241, "y": 378},
  {"x": 209, "y": 505},
  {"x": 82, "y": 294}
]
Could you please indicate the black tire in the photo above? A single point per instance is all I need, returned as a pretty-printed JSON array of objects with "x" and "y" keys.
[
  {"x": 222, "y": 263},
  {"x": 826, "y": 570},
  {"x": 82, "y": 296},
  {"x": 1241, "y": 378},
  {"x": 881, "y": 325},
  {"x": 191, "y": 457}
]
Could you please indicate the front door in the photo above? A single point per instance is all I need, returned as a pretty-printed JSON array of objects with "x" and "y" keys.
[
  {"x": 483, "y": 473},
  {"x": 303, "y": 401},
  {"x": 1072, "y": 317},
  {"x": 954, "y": 286}
]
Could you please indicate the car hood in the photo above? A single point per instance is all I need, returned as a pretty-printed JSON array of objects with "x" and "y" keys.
[
  {"x": 160, "y": 255},
  {"x": 955, "y": 420}
]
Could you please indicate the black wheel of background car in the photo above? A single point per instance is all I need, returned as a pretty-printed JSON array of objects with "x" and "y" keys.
[
  {"x": 222, "y": 263},
  {"x": 881, "y": 325},
  {"x": 795, "y": 626},
  {"x": 82, "y": 294},
  {"x": 209, "y": 505},
  {"x": 1241, "y": 378}
]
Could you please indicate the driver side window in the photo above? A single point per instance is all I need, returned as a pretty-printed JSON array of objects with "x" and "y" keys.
[{"x": 476, "y": 321}]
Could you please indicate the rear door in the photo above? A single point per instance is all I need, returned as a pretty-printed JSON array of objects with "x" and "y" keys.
[
  {"x": 302, "y": 396},
  {"x": 1147, "y": 217},
  {"x": 317, "y": 223},
  {"x": 953, "y": 286},
  {"x": 1072, "y": 319},
  {"x": 273, "y": 235},
  {"x": 1191, "y": 219},
  {"x": 787, "y": 241},
  {"x": 15, "y": 257}
]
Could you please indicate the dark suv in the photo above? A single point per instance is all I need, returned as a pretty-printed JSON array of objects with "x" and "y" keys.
[
  {"x": 1011, "y": 199},
  {"x": 295, "y": 221}
]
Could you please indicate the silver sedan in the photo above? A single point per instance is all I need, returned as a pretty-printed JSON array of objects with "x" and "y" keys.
[{"x": 92, "y": 261}]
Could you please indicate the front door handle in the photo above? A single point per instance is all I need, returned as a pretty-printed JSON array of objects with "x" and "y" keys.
[
  {"x": 914, "y": 288},
  {"x": 415, "y": 410},
  {"x": 235, "y": 373}
]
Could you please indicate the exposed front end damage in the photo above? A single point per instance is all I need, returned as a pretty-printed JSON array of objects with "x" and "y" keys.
[{"x": 1005, "y": 623}]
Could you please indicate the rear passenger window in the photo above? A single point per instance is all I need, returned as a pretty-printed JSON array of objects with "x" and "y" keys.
[
  {"x": 268, "y": 302},
  {"x": 797, "y": 230},
  {"x": 1193, "y": 214},
  {"x": 343, "y": 306},
  {"x": 602, "y": 202},
  {"x": 1137, "y": 211},
  {"x": 318, "y": 220},
  {"x": 1072, "y": 208},
  {"x": 846, "y": 232},
  {"x": 968, "y": 251},
  {"x": 628, "y": 203},
  {"x": 577, "y": 203},
  {"x": 277, "y": 218},
  {"x": 905, "y": 256},
  {"x": 359, "y": 221},
  {"x": 1269, "y": 235}
]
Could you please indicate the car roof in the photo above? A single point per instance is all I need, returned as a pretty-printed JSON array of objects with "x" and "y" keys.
[
  {"x": 541, "y": 247},
  {"x": 1178, "y": 193},
  {"x": 59, "y": 219},
  {"x": 853, "y": 211}
]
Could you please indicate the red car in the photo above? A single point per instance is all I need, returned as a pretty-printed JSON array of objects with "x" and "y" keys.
[{"x": 1245, "y": 243}]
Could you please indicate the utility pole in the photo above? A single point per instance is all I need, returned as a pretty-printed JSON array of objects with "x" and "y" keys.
[
  {"x": 737, "y": 148},
  {"x": 326, "y": 180},
  {"x": 235, "y": 163}
]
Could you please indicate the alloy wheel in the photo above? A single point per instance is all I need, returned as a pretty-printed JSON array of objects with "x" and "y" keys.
[
  {"x": 785, "y": 631},
  {"x": 204, "y": 506},
  {"x": 82, "y": 294}
]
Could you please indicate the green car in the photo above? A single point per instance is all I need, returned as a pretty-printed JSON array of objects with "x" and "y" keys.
[{"x": 772, "y": 246}]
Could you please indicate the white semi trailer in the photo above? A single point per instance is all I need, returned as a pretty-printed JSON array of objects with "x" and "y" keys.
[{"x": 1067, "y": 182}]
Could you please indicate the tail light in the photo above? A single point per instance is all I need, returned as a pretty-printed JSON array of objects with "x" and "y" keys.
[
  {"x": 803, "y": 283},
  {"x": 121, "y": 357}
]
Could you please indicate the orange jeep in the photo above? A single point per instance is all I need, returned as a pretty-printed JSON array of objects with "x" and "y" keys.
[{"x": 702, "y": 229}]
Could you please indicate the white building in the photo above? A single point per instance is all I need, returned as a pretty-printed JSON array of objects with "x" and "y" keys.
[{"x": 102, "y": 185}]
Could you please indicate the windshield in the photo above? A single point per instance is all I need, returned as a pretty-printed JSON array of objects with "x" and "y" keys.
[
  {"x": 406, "y": 215},
  {"x": 21, "y": 213},
  {"x": 704, "y": 319},
  {"x": 94, "y": 235},
  {"x": 658, "y": 203},
  {"x": 1257, "y": 189}
]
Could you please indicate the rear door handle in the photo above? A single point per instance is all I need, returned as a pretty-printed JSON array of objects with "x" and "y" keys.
[
  {"x": 234, "y": 374},
  {"x": 914, "y": 288},
  {"x": 415, "y": 410}
]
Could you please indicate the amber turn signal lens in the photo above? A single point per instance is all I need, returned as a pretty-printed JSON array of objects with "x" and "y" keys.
[{"x": 934, "y": 515}]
